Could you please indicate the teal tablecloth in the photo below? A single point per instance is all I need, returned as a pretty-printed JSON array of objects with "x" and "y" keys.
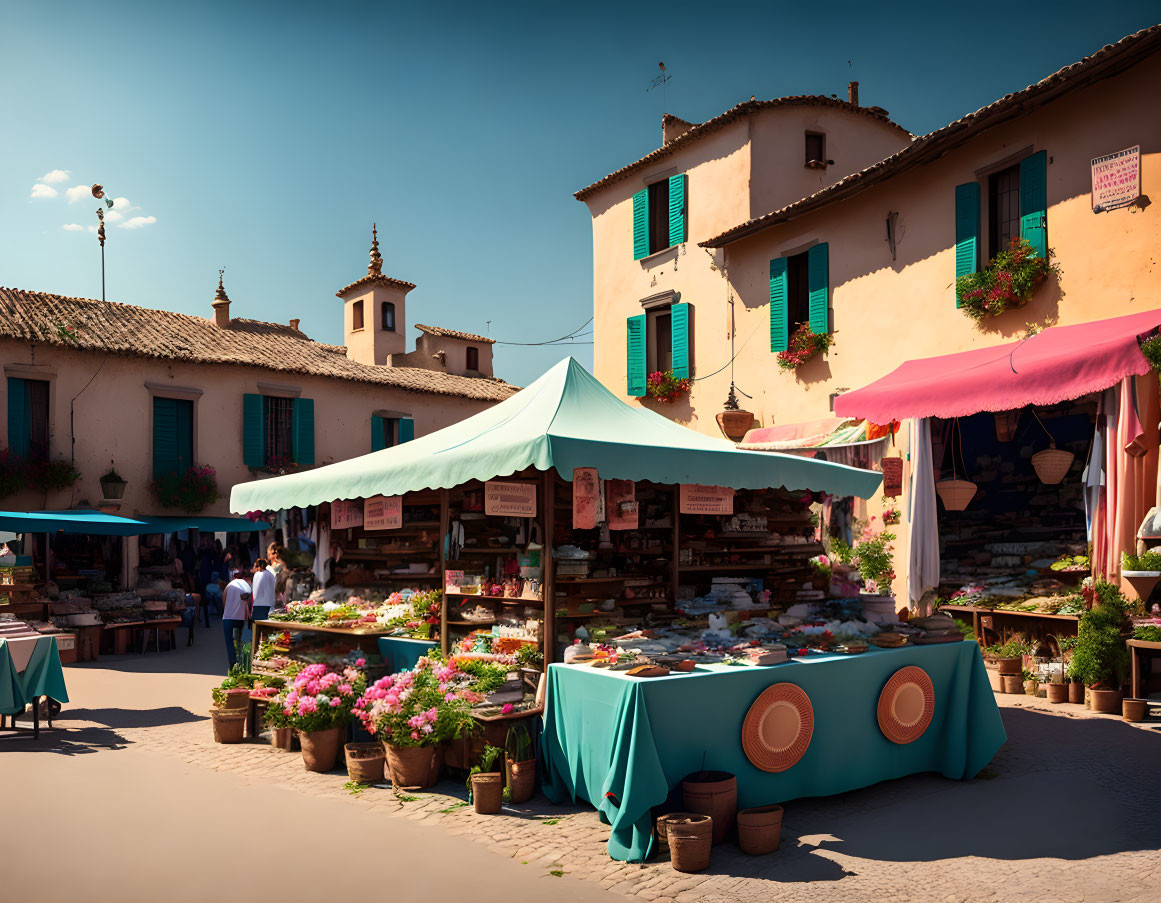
[
  {"x": 622, "y": 743},
  {"x": 401, "y": 653},
  {"x": 43, "y": 677}
]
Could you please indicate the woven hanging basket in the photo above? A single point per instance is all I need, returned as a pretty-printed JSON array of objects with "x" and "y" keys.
[
  {"x": 955, "y": 493},
  {"x": 1052, "y": 464}
]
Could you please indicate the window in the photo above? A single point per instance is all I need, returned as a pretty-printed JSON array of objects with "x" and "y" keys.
[
  {"x": 1003, "y": 209},
  {"x": 473, "y": 358},
  {"x": 815, "y": 148},
  {"x": 659, "y": 325},
  {"x": 278, "y": 417},
  {"x": 659, "y": 216},
  {"x": 172, "y": 435},
  {"x": 387, "y": 316},
  {"x": 28, "y": 417},
  {"x": 658, "y": 340},
  {"x": 797, "y": 291},
  {"x": 388, "y": 431},
  {"x": 799, "y": 295},
  {"x": 357, "y": 315}
]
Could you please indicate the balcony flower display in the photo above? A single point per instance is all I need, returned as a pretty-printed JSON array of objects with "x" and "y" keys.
[
  {"x": 804, "y": 346},
  {"x": 190, "y": 491},
  {"x": 1006, "y": 283},
  {"x": 666, "y": 387}
]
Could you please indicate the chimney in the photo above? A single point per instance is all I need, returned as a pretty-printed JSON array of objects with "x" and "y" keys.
[
  {"x": 853, "y": 93},
  {"x": 672, "y": 126},
  {"x": 294, "y": 324},
  {"x": 221, "y": 304}
]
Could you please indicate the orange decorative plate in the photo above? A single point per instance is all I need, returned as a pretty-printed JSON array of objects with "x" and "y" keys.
[
  {"x": 906, "y": 705},
  {"x": 778, "y": 727}
]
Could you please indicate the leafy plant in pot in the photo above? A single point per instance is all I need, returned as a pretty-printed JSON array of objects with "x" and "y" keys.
[
  {"x": 1100, "y": 658},
  {"x": 486, "y": 782},
  {"x": 521, "y": 764},
  {"x": 234, "y": 691}
]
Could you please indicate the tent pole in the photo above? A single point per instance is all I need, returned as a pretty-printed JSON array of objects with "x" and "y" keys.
[
  {"x": 549, "y": 508},
  {"x": 444, "y": 505}
]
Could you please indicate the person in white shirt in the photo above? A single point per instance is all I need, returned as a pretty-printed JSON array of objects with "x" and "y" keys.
[
  {"x": 263, "y": 583},
  {"x": 236, "y": 600}
]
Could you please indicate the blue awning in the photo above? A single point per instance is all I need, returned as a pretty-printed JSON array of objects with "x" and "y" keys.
[
  {"x": 173, "y": 523},
  {"x": 96, "y": 523}
]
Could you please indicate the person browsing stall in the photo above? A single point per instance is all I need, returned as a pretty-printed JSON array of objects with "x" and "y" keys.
[
  {"x": 263, "y": 588},
  {"x": 237, "y": 599}
]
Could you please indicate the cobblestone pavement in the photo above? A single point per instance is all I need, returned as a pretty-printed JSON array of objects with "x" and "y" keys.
[{"x": 1065, "y": 812}]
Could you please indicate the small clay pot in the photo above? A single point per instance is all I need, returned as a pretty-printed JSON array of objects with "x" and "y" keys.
[
  {"x": 365, "y": 762},
  {"x": 1013, "y": 665},
  {"x": 1057, "y": 693},
  {"x": 522, "y": 780},
  {"x": 1134, "y": 710},
  {"x": 760, "y": 829},
  {"x": 1076, "y": 692},
  {"x": 712, "y": 793},
  {"x": 1105, "y": 702},
  {"x": 282, "y": 738},
  {"x": 320, "y": 749},
  {"x": 690, "y": 838},
  {"x": 487, "y": 792},
  {"x": 413, "y": 767},
  {"x": 995, "y": 680},
  {"x": 229, "y": 725},
  {"x": 1012, "y": 683}
]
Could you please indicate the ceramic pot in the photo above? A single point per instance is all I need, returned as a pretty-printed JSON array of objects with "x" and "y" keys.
[
  {"x": 1032, "y": 687},
  {"x": 1057, "y": 693},
  {"x": 1105, "y": 702},
  {"x": 1134, "y": 710},
  {"x": 365, "y": 762},
  {"x": 712, "y": 793},
  {"x": 320, "y": 749},
  {"x": 229, "y": 725},
  {"x": 238, "y": 698},
  {"x": 735, "y": 424},
  {"x": 522, "y": 780},
  {"x": 1075, "y": 692},
  {"x": 282, "y": 738},
  {"x": 487, "y": 792},
  {"x": 760, "y": 829},
  {"x": 690, "y": 837},
  {"x": 1012, "y": 683},
  {"x": 413, "y": 766}
]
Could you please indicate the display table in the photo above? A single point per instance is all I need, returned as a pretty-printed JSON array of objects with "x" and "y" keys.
[
  {"x": 1138, "y": 648},
  {"x": 622, "y": 743},
  {"x": 1005, "y": 623},
  {"x": 29, "y": 669},
  {"x": 402, "y": 653}
]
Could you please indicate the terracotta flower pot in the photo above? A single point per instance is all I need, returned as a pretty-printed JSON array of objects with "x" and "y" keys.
[
  {"x": 1032, "y": 687},
  {"x": 238, "y": 698},
  {"x": 414, "y": 767},
  {"x": 487, "y": 792},
  {"x": 995, "y": 680},
  {"x": 690, "y": 837},
  {"x": 282, "y": 738},
  {"x": 1012, "y": 683},
  {"x": 522, "y": 780},
  {"x": 760, "y": 829},
  {"x": 229, "y": 725},
  {"x": 1105, "y": 702},
  {"x": 1134, "y": 710},
  {"x": 1057, "y": 693},
  {"x": 320, "y": 749},
  {"x": 1013, "y": 665},
  {"x": 735, "y": 424},
  {"x": 712, "y": 793},
  {"x": 1075, "y": 692},
  {"x": 365, "y": 762}
]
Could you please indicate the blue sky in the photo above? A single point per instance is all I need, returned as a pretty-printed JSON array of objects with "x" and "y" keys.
[{"x": 266, "y": 137}]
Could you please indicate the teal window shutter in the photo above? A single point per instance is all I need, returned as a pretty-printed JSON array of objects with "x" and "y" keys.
[
  {"x": 183, "y": 444},
  {"x": 677, "y": 219},
  {"x": 302, "y": 432},
  {"x": 679, "y": 330},
  {"x": 378, "y": 433},
  {"x": 635, "y": 363},
  {"x": 165, "y": 456},
  {"x": 967, "y": 230},
  {"x": 253, "y": 432},
  {"x": 1034, "y": 202},
  {"x": 18, "y": 426},
  {"x": 641, "y": 224},
  {"x": 779, "y": 334},
  {"x": 818, "y": 288},
  {"x": 406, "y": 429}
]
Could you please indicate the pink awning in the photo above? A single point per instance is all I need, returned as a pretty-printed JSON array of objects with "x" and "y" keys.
[{"x": 1058, "y": 364}]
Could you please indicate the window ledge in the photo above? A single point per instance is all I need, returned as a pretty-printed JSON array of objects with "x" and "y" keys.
[
  {"x": 659, "y": 257},
  {"x": 817, "y": 164}
]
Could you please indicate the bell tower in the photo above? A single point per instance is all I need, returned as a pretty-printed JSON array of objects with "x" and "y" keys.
[{"x": 374, "y": 312}]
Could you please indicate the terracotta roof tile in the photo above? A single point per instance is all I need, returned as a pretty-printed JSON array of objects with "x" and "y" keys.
[
  {"x": 124, "y": 329},
  {"x": 1108, "y": 61},
  {"x": 371, "y": 279},
  {"x": 453, "y": 334},
  {"x": 720, "y": 121}
]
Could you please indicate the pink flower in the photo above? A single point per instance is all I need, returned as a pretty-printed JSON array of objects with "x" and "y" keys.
[
  {"x": 414, "y": 735},
  {"x": 360, "y": 662},
  {"x": 334, "y": 702},
  {"x": 507, "y": 708}
]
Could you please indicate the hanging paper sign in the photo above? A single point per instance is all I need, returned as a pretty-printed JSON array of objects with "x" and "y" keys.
[
  {"x": 510, "y": 499},
  {"x": 697, "y": 499},
  {"x": 346, "y": 514},
  {"x": 383, "y": 512},
  {"x": 586, "y": 490},
  {"x": 1116, "y": 179},
  {"x": 621, "y": 504},
  {"x": 892, "y": 476}
]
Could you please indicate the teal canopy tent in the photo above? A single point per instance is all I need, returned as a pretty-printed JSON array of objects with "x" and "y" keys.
[{"x": 564, "y": 420}]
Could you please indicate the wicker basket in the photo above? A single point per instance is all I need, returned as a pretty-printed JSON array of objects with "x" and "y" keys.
[
  {"x": 956, "y": 493},
  {"x": 1052, "y": 464}
]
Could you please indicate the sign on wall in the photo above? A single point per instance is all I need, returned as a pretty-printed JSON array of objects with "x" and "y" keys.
[
  {"x": 695, "y": 499},
  {"x": 383, "y": 512},
  {"x": 510, "y": 499},
  {"x": 346, "y": 514},
  {"x": 892, "y": 476},
  {"x": 1116, "y": 179},
  {"x": 586, "y": 491}
]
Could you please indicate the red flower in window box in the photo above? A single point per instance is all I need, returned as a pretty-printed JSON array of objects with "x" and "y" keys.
[
  {"x": 1006, "y": 283},
  {"x": 666, "y": 387},
  {"x": 804, "y": 346}
]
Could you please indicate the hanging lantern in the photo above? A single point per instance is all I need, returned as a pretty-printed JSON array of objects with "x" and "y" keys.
[
  {"x": 956, "y": 493},
  {"x": 1052, "y": 464}
]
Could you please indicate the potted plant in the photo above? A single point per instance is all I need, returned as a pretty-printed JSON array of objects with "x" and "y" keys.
[
  {"x": 1007, "y": 658},
  {"x": 1031, "y": 684},
  {"x": 190, "y": 491},
  {"x": 521, "y": 764},
  {"x": 1100, "y": 658},
  {"x": 665, "y": 387},
  {"x": 113, "y": 484},
  {"x": 821, "y": 571},
  {"x": 51, "y": 476},
  {"x": 732, "y": 420},
  {"x": 804, "y": 345},
  {"x": 873, "y": 555},
  {"x": 318, "y": 703},
  {"x": 234, "y": 691},
  {"x": 485, "y": 782},
  {"x": 1006, "y": 283},
  {"x": 281, "y": 733}
]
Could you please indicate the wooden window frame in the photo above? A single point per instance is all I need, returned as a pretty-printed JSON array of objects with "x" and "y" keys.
[{"x": 178, "y": 393}]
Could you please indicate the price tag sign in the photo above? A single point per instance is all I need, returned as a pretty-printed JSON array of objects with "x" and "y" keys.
[
  {"x": 695, "y": 499},
  {"x": 892, "y": 476},
  {"x": 345, "y": 515},
  {"x": 383, "y": 512},
  {"x": 509, "y": 499}
]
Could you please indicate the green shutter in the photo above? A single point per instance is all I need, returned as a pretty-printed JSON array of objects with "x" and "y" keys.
[
  {"x": 164, "y": 437},
  {"x": 18, "y": 427},
  {"x": 679, "y": 331},
  {"x": 635, "y": 362},
  {"x": 641, "y": 224},
  {"x": 1034, "y": 202},
  {"x": 967, "y": 230},
  {"x": 183, "y": 437},
  {"x": 253, "y": 432},
  {"x": 779, "y": 337},
  {"x": 677, "y": 219},
  {"x": 378, "y": 433},
  {"x": 302, "y": 432},
  {"x": 818, "y": 287},
  {"x": 406, "y": 429}
]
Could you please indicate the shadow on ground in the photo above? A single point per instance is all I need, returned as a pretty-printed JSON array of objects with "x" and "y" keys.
[
  {"x": 130, "y": 718},
  {"x": 62, "y": 741}
]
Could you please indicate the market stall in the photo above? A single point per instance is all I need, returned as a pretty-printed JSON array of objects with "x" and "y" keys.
[{"x": 30, "y": 670}]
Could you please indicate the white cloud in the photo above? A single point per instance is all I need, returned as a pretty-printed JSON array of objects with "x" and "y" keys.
[
  {"x": 138, "y": 222},
  {"x": 55, "y": 176},
  {"x": 73, "y": 227},
  {"x": 43, "y": 191},
  {"x": 123, "y": 205},
  {"x": 113, "y": 216},
  {"x": 79, "y": 193}
]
